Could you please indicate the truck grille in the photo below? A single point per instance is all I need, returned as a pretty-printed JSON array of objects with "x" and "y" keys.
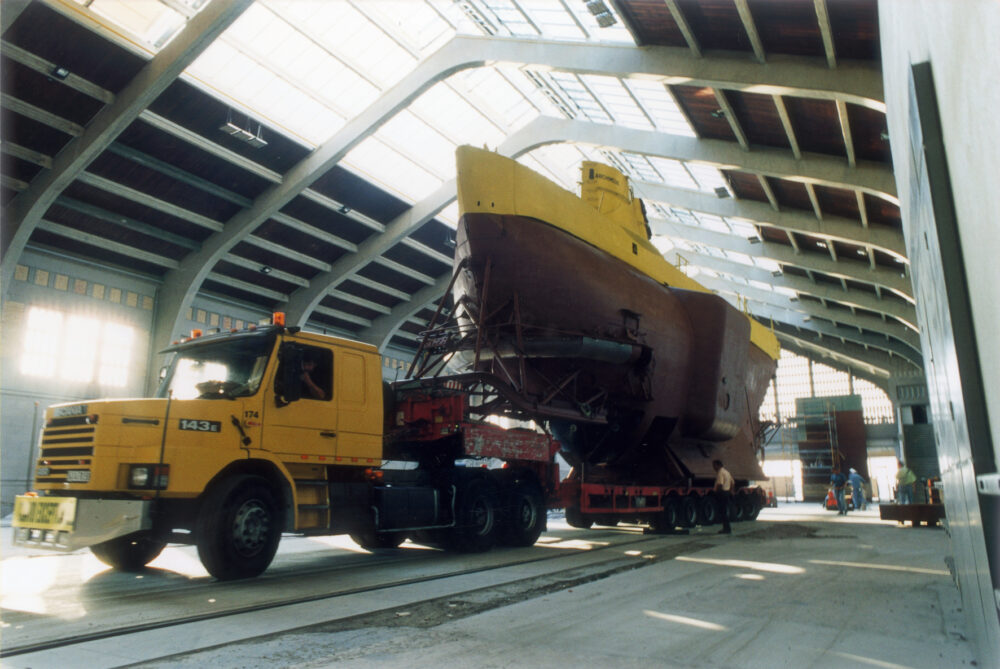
[{"x": 67, "y": 445}]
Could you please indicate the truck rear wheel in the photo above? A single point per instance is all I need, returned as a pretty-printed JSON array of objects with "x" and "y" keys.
[
  {"x": 708, "y": 510},
  {"x": 129, "y": 553},
  {"x": 239, "y": 528},
  {"x": 688, "y": 511},
  {"x": 749, "y": 506},
  {"x": 576, "y": 519},
  {"x": 666, "y": 520},
  {"x": 477, "y": 509},
  {"x": 525, "y": 517}
]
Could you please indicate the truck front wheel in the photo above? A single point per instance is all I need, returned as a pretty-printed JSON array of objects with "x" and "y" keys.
[
  {"x": 129, "y": 553},
  {"x": 239, "y": 528}
]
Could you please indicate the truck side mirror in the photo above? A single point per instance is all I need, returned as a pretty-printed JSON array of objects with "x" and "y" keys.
[{"x": 288, "y": 381}]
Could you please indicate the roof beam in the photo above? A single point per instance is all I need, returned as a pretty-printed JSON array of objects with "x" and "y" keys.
[
  {"x": 29, "y": 110},
  {"x": 106, "y": 244},
  {"x": 42, "y": 66},
  {"x": 252, "y": 288},
  {"x": 684, "y": 27},
  {"x": 256, "y": 266},
  {"x": 897, "y": 339},
  {"x": 786, "y": 123},
  {"x": 382, "y": 329},
  {"x": 872, "y": 359},
  {"x": 826, "y": 31},
  {"x": 899, "y": 310},
  {"x": 835, "y": 359},
  {"x": 817, "y": 169},
  {"x": 734, "y": 123},
  {"x": 845, "y": 130},
  {"x": 785, "y": 255},
  {"x": 836, "y": 228},
  {"x": 26, "y": 209},
  {"x": 134, "y": 195},
  {"x": 750, "y": 27}
]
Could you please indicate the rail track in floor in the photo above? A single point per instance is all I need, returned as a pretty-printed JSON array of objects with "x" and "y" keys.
[{"x": 624, "y": 552}]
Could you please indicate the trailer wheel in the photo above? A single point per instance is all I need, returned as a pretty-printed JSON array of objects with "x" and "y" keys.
[
  {"x": 735, "y": 509},
  {"x": 708, "y": 510},
  {"x": 576, "y": 519},
  {"x": 239, "y": 528},
  {"x": 477, "y": 509},
  {"x": 129, "y": 553},
  {"x": 525, "y": 515},
  {"x": 688, "y": 511},
  {"x": 372, "y": 540},
  {"x": 665, "y": 520}
]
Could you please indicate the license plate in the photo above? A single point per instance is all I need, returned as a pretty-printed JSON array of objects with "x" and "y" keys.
[{"x": 46, "y": 513}]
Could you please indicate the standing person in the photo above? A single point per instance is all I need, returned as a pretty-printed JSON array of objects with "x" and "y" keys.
[
  {"x": 723, "y": 493},
  {"x": 857, "y": 489},
  {"x": 839, "y": 483},
  {"x": 905, "y": 478}
]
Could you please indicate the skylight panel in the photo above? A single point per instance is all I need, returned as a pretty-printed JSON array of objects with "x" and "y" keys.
[
  {"x": 658, "y": 103},
  {"x": 735, "y": 256},
  {"x": 553, "y": 20},
  {"x": 562, "y": 162},
  {"x": 272, "y": 99},
  {"x": 449, "y": 215},
  {"x": 459, "y": 119},
  {"x": 613, "y": 96},
  {"x": 393, "y": 171},
  {"x": 420, "y": 142},
  {"x": 743, "y": 227},
  {"x": 512, "y": 18},
  {"x": 768, "y": 264},
  {"x": 708, "y": 178},
  {"x": 710, "y": 222},
  {"x": 416, "y": 24},
  {"x": 616, "y": 32},
  {"x": 672, "y": 172},
  {"x": 152, "y": 22}
]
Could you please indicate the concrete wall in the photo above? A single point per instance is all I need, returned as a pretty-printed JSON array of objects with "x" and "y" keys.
[
  {"x": 959, "y": 40},
  {"x": 55, "y": 282}
]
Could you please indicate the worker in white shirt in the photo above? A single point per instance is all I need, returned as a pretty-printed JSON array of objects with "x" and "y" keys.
[{"x": 723, "y": 493}]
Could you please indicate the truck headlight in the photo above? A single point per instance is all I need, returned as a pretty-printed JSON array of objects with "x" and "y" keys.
[{"x": 149, "y": 477}]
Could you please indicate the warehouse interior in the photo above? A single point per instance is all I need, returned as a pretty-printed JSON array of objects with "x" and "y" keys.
[{"x": 826, "y": 165}]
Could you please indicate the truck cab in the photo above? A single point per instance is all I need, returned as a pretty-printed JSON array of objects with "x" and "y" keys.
[{"x": 263, "y": 411}]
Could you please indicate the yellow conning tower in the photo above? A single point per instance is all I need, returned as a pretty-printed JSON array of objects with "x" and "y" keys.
[{"x": 607, "y": 190}]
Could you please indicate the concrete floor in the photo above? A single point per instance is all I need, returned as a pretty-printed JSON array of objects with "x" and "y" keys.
[{"x": 798, "y": 588}]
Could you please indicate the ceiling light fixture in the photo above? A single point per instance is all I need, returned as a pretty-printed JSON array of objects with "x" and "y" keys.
[
  {"x": 718, "y": 113},
  {"x": 344, "y": 209},
  {"x": 256, "y": 140},
  {"x": 265, "y": 269},
  {"x": 59, "y": 72},
  {"x": 601, "y": 13},
  {"x": 721, "y": 192}
]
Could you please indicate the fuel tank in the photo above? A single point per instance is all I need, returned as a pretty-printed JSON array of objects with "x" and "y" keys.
[{"x": 570, "y": 302}]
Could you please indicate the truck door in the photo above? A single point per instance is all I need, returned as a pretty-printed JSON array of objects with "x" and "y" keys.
[
  {"x": 308, "y": 425},
  {"x": 359, "y": 407}
]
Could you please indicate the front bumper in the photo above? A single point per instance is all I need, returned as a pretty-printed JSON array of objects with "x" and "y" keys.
[{"x": 68, "y": 523}]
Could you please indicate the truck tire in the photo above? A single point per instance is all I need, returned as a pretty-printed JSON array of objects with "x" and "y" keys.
[
  {"x": 477, "y": 511},
  {"x": 372, "y": 540},
  {"x": 735, "y": 509},
  {"x": 708, "y": 510},
  {"x": 688, "y": 516},
  {"x": 524, "y": 519},
  {"x": 239, "y": 528},
  {"x": 129, "y": 553},
  {"x": 666, "y": 520},
  {"x": 576, "y": 519},
  {"x": 748, "y": 504},
  {"x": 607, "y": 521}
]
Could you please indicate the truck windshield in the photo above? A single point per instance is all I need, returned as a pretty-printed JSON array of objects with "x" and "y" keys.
[{"x": 218, "y": 370}]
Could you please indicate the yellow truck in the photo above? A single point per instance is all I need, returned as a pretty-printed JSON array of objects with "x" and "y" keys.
[{"x": 271, "y": 430}]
